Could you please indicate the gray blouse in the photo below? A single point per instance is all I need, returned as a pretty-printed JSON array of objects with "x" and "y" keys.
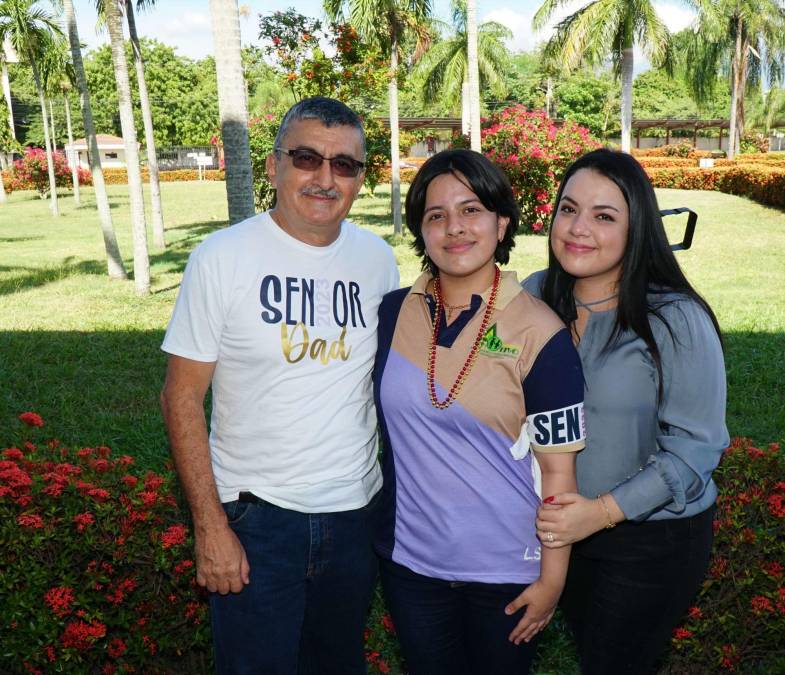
[{"x": 655, "y": 458}]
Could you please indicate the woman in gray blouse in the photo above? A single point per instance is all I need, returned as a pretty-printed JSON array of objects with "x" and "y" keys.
[{"x": 655, "y": 417}]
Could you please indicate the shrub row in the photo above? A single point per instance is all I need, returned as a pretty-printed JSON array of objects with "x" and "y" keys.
[
  {"x": 685, "y": 150},
  {"x": 760, "y": 183},
  {"x": 120, "y": 176},
  {"x": 98, "y": 574}
]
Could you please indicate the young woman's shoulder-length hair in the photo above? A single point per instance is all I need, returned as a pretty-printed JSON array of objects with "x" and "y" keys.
[
  {"x": 482, "y": 177},
  {"x": 648, "y": 267}
]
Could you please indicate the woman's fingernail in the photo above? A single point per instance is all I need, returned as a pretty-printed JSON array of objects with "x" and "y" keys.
[{"x": 549, "y": 500}]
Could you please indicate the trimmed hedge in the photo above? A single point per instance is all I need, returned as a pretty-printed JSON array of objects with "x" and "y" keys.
[
  {"x": 761, "y": 183},
  {"x": 120, "y": 177},
  {"x": 684, "y": 150}
]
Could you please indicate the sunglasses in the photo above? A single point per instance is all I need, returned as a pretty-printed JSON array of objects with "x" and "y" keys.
[{"x": 310, "y": 160}]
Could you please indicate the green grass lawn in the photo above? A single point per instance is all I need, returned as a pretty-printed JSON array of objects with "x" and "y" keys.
[{"x": 83, "y": 350}]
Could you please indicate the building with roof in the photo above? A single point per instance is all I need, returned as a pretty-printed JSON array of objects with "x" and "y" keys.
[{"x": 111, "y": 149}]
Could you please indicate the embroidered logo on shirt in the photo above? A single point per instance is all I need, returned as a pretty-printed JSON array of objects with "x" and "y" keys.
[{"x": 493, "y": 345}]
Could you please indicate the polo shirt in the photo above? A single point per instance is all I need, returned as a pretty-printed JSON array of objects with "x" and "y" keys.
[{"x": 461, "y": 487}]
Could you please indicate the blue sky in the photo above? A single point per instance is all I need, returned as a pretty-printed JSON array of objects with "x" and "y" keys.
[{"x": 185, "y": 24}]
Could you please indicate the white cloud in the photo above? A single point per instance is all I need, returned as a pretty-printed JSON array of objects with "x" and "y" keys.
[{"x": 675, "y": 17}]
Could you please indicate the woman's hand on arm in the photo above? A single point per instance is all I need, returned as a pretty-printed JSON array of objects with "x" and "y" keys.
[
  {"x": 568, "y": 517},
  {"x": 541, "y": 597}
]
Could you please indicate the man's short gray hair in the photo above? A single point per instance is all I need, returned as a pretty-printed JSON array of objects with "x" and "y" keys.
[{"x": 329, "y": 111}]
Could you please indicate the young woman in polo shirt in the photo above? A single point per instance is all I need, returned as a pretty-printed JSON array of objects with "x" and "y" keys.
[
  {"x": 474, "y": 378},
  {"x": 641, "y": 527}
]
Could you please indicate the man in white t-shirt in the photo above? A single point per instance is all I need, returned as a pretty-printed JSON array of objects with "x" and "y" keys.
[{"x": 278, "y": 314}]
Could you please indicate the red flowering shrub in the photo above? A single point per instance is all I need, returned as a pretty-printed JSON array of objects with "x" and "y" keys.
[
  {"x": 96, "y": 575},
  {"x": 738, "y": 619},
  {"x": 31, "y": 172},
  {"x": 97, "y": 571},
  {"x": 534, "y": 153}
]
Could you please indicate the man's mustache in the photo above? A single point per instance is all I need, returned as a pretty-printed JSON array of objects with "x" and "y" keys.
[{"x": 315, "y": 191}]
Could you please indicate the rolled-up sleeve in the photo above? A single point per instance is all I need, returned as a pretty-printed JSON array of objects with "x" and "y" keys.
[{"x": 691, "y": 416}]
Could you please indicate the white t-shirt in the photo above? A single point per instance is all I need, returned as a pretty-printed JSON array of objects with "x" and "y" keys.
[{"x": 292, "y": 330}]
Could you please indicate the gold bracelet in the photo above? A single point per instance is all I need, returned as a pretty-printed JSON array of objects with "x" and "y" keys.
[{"x": 610, "y": 524}]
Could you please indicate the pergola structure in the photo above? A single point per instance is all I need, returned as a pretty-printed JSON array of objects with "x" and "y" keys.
[{"x": 670, "y": 123}]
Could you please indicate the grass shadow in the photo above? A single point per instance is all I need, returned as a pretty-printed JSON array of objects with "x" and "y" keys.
[
  {"x": 14, "y": 240},
  {"x": 35, "y": 277}
]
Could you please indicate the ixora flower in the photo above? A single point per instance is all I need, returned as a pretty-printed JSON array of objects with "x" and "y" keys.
[
  {"x": 81, "y": 635},
  {"x": 174, "y": 536},
  {"x": 60, "y": 599},
  {"x": 31, "y": 521},
  {"x": 31, "y": 419}
]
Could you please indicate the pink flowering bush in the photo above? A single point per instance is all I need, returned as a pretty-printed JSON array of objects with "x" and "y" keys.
[
  {"x": 534, "y": 153},
  {"x": 738, "y": 619},
  {"x": 31, "y": 172}
]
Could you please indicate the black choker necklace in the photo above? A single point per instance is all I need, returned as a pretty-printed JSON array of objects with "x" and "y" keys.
[{"x": 594, "y": 303}]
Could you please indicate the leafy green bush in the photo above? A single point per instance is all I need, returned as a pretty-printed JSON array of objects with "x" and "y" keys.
[
  {"x": 754, "y": 142},
  {"x": 738, "y": 619},
  {"x": 534, "y": 153}
]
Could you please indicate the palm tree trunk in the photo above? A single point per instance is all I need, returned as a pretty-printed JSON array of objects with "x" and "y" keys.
[
  {"x": 465, "y": 113},
  {"x": 7, "y": 94},
  {"x": 474, "y": 75},
  {"x": 138, "y": 226},
  {"x": 735, "y": 92},
  {"x": 114, "y": 261},
  {"x": 626, "y": 98},
  {"x": 159, "y": 239},
  {"x": 52, "y": 123},
  {"x": 47, "y": 142},
  {"x": 225, "y": 20},
  {"x": 72, "y": 160},
  {"x": 395, "y": 162}
]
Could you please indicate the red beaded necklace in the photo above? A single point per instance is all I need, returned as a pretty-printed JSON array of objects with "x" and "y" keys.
[{"x": 469, "y": 363}]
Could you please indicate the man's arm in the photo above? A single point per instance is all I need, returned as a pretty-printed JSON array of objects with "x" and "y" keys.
[{"x": 221, "y": 564}]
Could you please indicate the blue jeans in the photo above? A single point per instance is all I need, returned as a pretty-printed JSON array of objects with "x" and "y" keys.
[
  {"x": 454, "y": 628},
  {"x": 305, "y": 608}
]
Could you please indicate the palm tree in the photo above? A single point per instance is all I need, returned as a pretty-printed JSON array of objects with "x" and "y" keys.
[
  {"x": 57, "y": 74},
  {"x": 114, "y": 260},
  {"x": 138, "y": 227},
  {"x": 233, "y": 109},
  {"x": 744, "y": 37},
  {"x": 4, "y": 47},
  {"x": 605, "y": 28},
  {"x": 388, "y": 23},
  {"x": 159, "y": 239},
  {"x": 32, "y": 32},
  {"x": 474, "y": 74},
  {"x": 445, "y": 65}
]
